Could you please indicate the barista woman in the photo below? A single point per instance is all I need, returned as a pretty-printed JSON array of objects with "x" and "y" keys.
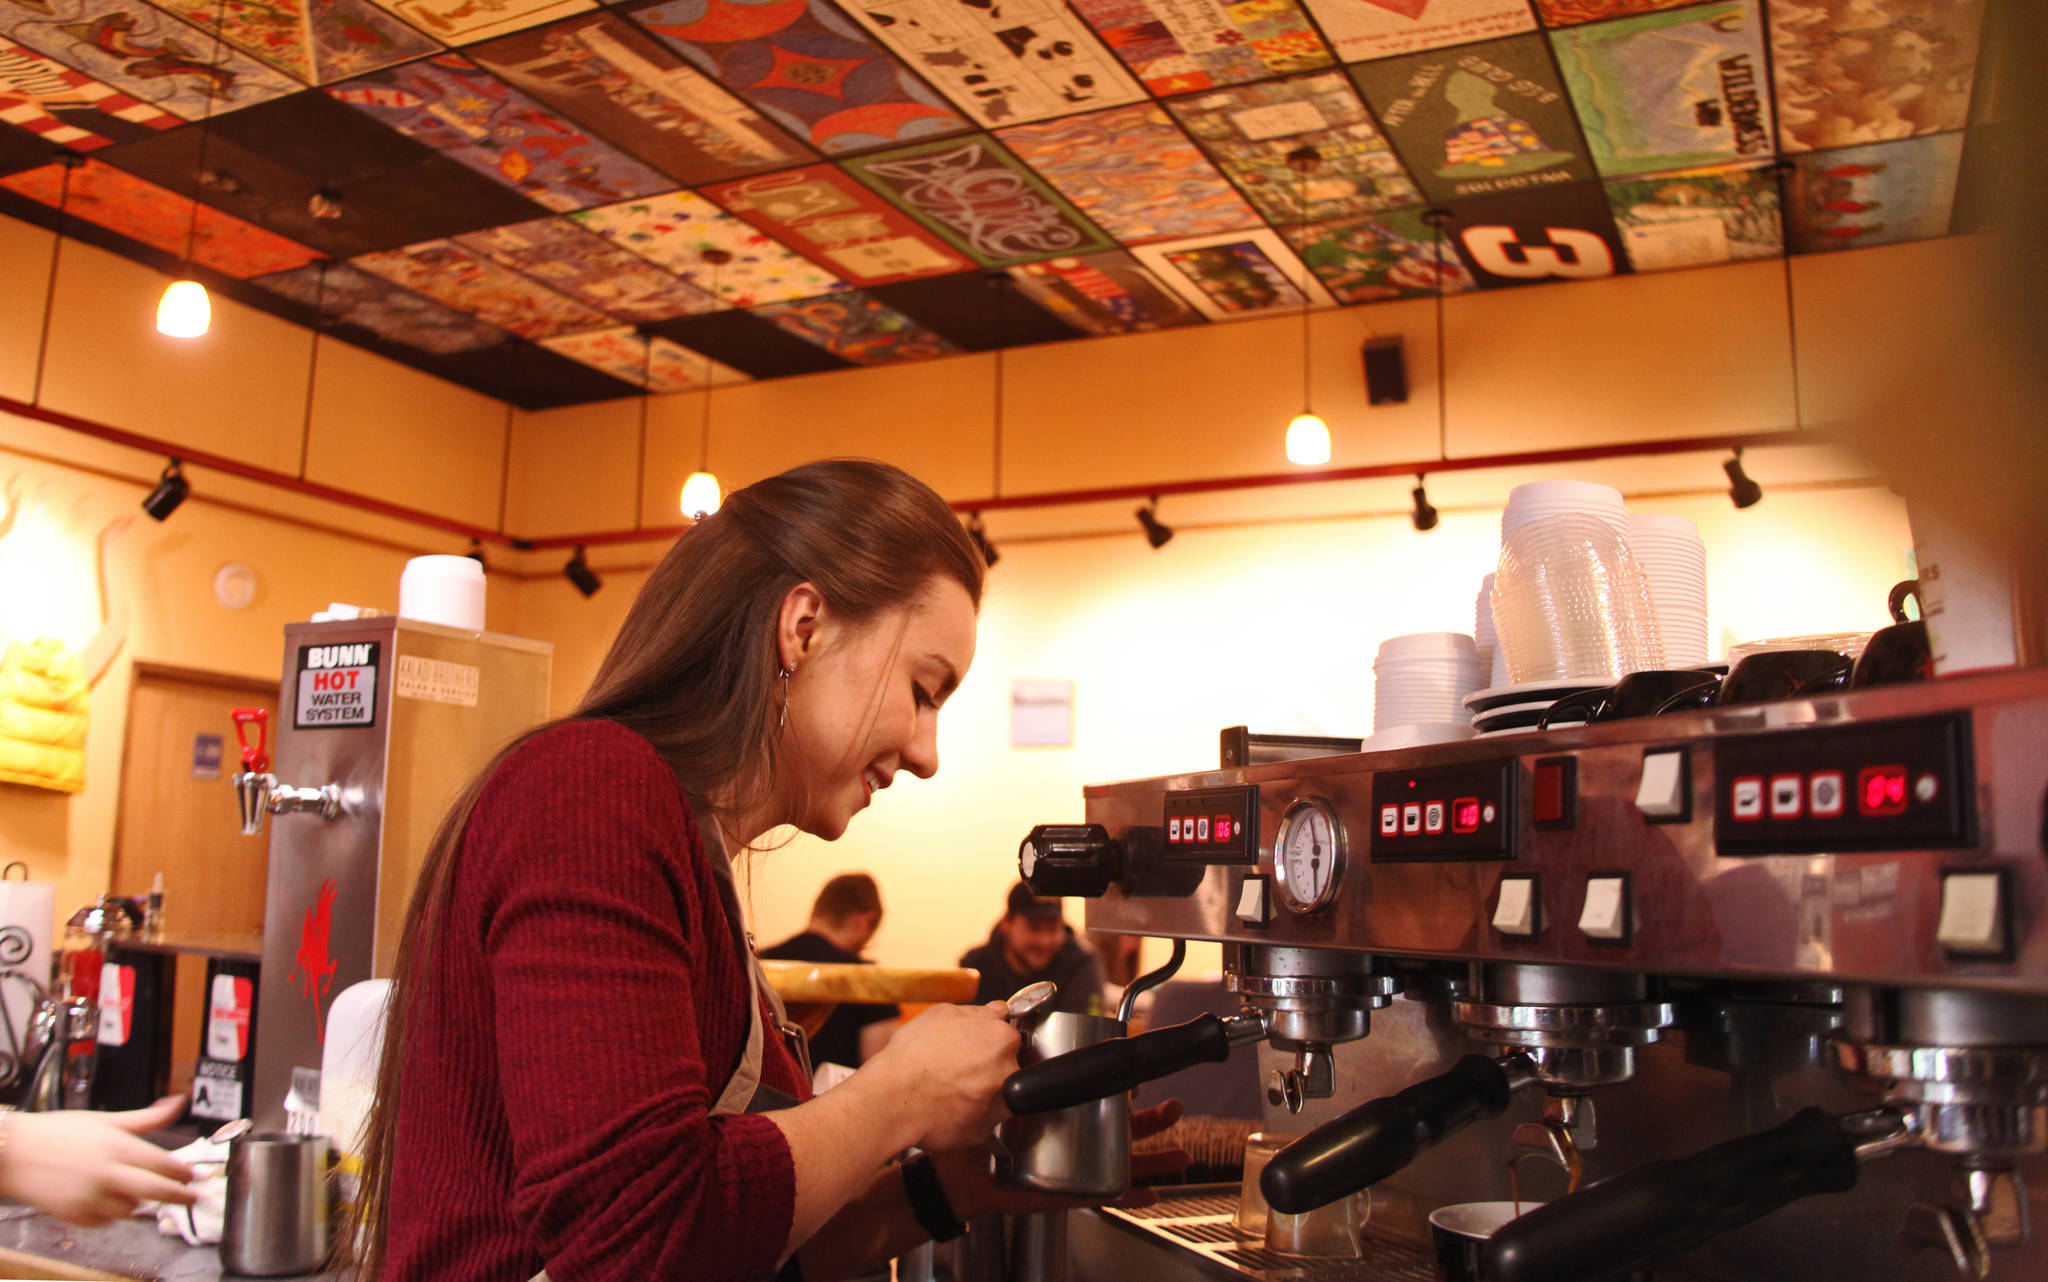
[{"x": 580, "y": 1071}]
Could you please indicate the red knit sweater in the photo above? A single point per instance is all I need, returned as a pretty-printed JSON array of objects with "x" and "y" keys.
[{"x": 585, "y": 1007}]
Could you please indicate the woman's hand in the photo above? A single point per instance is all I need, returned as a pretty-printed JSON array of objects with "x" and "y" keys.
[
  {"x": 92, "y": 1168},
  {"x": 964, "y": 1174},
  {"x": 947, "y": 1068}
]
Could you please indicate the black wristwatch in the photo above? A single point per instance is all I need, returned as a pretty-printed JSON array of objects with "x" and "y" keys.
[{"x": 928, "y": 1199}]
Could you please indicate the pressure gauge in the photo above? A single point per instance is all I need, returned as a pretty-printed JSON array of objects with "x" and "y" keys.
[{"x": 1308, "y": 859}]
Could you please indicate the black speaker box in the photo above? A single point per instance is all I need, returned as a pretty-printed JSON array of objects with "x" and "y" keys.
[{"x": 1386, "y": 372}]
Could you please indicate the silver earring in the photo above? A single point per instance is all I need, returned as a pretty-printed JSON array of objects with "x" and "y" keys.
[{"x": 782, "y": 720}]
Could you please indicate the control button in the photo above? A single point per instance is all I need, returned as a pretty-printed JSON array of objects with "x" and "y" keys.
[
  {"x": 1973, "y": 914},
  {"x": 1746, "y": 798},
  {"x": 1465, "y": 814},
  {"x": 1486, "y": 812},
  {"x": 1433, "y": 816},
  {"x": 1825, "y": 794},
  {"x": 1202, "y": 828},
  {"x": 1514, "y": 912},
  {"x": 1390, "y": 820},
  {"x": 1411, "y": 818},
  {"x": 1926, "y": 788},
  {"x": 1881, "y": 790},
  {"x": 1254, "y": 906},
  {"x": 1786, "y": 796},
  {"x": 1173, "y": 829},
  {"x": 1666, "y": 788},
  {"x": 1605, "y": 915},
  {"x": 1554, "y": 791}
]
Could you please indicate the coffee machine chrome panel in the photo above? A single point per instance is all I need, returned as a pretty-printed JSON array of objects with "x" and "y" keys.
[{"x": 1692, "y": 844}]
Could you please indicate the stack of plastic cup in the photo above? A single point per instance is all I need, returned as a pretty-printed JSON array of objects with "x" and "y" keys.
[
  {"x": 1486, "y": 637},
  {"x": 1571, "y": 601},
  {"x": 1422, "y": 680},
  {"x": 1674, "y": 557},
  {"x": 1539, "y": 500}
]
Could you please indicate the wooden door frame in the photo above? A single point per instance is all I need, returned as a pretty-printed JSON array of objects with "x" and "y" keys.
[{"x": 139, "y": 671}]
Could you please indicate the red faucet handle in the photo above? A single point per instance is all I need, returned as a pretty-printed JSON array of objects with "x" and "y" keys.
[{"x": 254, "y": 757}]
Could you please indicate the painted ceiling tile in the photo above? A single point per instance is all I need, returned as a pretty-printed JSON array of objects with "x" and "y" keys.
[
  {"x": 1134, "y": 172},
  {"x": 979, "y": 198},
  {"x": 450, "y": 274},
  {"x": 1103, "y": 294},
  {"x": 1877, "y": 195},
  {"x": 1363, "y": 29},
  {"x": 68, "y": 107},
  {"x": 1671, "y": 90},
  {"x": 808, "y": 66},
  {"x": 1864, "y": 71},
  {"x": 459, "y": 22},
  {"x": 857, "y": 328},
  {"x": 1570, "y": 13},
  {"x": 1540, "y": 235},
  {"x": 344, "y": 296},
  {"x": 641, "y": 95},
  {"x": 1232, "y": 276},
  {"x": 1251, "y": 128},
  {"x": 1698, "y": 217},
  {"x": 315, "y": 41},
  {"x": 454, "y": 106},
  {"x": 1001, "y": 63},
  {"x": 1389, "y": 255},
  {"x": 674, "y": 230},
  {"x": 1178, "y": 46},
  {"x": 145, "y": 212},
  {"x": 623, "y": 354},
  {"x": 1479, "y": 120},
  {"x": 143, "y": 52},
  {"x": 838, "y": 222},
  {"x": 590, "y": 269}
]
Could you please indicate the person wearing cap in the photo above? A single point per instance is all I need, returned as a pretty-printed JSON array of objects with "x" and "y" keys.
[{"x": 1032, "y": 942}]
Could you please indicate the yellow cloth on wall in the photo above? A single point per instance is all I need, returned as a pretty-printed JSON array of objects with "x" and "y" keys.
[{"x": 43, "y": 715}]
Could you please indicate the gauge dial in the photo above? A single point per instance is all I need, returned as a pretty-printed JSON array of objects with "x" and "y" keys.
[{"x": 1308, "y": 859}]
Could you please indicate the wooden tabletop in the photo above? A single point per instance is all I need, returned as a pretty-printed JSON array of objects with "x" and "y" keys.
[{"x": 801, "y": 981}]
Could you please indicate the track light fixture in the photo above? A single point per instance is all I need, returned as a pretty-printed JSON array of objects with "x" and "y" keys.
[
  {"x": 1157, "y": 532},
  {"x": 981, "y": 539},
  {"x": 1742, "y": 491},
  {"x": 476, "y": 553},
  {"x": 1424, "y": 516},
  {"x": 171, "y": 489},
  {"x": 581, "y": 574}
]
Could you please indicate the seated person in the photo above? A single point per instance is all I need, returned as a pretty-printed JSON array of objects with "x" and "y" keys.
[
  {"x": 844, "y": 918},
  {"x": 1031, "y": 943}
]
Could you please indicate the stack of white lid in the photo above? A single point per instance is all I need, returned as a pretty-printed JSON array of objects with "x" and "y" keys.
[
  {"x": 1420, "y": 684},
  {"x": 1486, "y": 637},
  {"x": 1673, "y": 555},
  {"x": 1540, "y": 499}
]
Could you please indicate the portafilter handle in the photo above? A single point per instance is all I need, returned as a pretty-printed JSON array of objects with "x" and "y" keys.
[
  {"x": 1376, "y": 1139},
  {"x": 1635, "y": 1219},
  {"x": 1115, "y": 1066}
]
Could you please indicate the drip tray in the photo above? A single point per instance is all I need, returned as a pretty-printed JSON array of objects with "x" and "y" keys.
[{"x": 1196, "y": 1228}]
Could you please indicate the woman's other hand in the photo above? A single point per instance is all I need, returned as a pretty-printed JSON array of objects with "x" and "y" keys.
[
  {"x": 964, "y": 1174},
  {"x": 92, "y": 1168},
  {"x": 947, "y": 1067}
]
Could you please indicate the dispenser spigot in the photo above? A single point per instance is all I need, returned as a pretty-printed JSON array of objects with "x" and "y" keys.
[{"x": 257, "y": 791}]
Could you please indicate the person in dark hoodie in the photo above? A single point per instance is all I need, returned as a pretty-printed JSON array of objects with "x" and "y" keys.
[{"x": 1031, "y": 943}]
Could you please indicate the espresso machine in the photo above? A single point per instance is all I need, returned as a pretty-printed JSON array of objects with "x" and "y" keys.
[{"x": 1750, "y": 992}]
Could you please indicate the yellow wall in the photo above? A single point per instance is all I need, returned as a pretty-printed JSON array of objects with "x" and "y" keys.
[{"x": 1077, "y": 596}]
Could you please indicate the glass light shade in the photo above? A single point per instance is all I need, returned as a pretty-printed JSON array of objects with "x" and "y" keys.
[
  {"x": 184, "y": 311},
  {"x": 700, "y": 495},
  {"x": 1308, "y": 440}
]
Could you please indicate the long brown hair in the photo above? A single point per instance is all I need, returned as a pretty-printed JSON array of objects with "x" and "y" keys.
[{"x": 694, "y": 671}]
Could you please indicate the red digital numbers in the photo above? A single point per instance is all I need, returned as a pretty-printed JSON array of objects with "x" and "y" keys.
[
  {"x": 1465, "y": 815},
  {"x": 1881, "y": 790}
]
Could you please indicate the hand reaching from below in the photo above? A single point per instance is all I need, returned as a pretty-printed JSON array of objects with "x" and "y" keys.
[{"x": 91, "y": 1168}]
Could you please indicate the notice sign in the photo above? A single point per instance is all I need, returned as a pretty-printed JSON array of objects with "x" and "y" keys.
[
  {"x": 337, "y": 686},
  {"x": 435, "y": 681}
]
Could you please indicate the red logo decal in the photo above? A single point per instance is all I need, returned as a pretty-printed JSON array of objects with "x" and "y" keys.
[{"x": 314, "y": 957}]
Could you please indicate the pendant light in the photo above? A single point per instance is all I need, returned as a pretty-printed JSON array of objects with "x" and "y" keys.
[
  {"x": 701, "y": 495},
  {"x": 70, "y": 160},
  {"x": 185, "y": 311},
  {"x": 1424, "y": 514},
  {"x": 1308, "y": 437}
]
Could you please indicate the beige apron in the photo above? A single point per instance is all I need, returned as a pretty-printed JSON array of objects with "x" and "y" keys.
[{"x": 739, "y": 1092}]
